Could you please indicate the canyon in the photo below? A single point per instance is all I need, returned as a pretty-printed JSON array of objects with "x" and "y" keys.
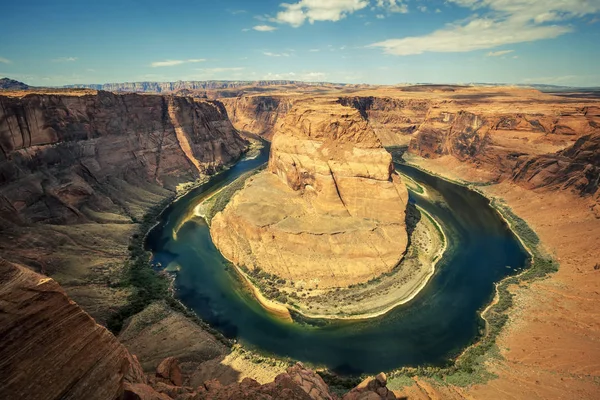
[
  {"x": 80, "y": 168},
  {"x": 78, "y": 172}
]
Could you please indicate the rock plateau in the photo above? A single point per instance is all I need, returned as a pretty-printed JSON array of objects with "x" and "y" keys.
[{"x": 329, "y": 211}]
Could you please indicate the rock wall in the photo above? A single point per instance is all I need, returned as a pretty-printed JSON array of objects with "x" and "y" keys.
[
  {"x": 258, "y": 114},
  {"x": 79, "y": 170},
  {"x": 329, "y": 211},
  {"x": 494, "y": 129},
  {"x": 58, "y": 152},
  {"x": 393, "y": 120},
  {"x": 52, "y": 349},
  {"x": 576, "y": 168}
]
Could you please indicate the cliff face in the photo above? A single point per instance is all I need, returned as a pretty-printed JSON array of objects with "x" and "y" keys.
[
  {"x": 495, "y": 130},
  {"x": 576, "y": 168},
  {"x": 393, "y": 120},
  {"x": 258, "y": 114},
  {"x": 51, "y": 348},
  {"x": 61, "y": 155},
  {"x": 78, "y": 171},
  {"x": 328, "y": 212}
]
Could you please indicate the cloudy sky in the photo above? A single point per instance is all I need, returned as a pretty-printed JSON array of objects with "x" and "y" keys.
[{"x": 57, "y": 42}]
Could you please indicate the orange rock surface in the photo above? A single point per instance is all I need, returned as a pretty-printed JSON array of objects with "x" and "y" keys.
[{"x": 329, "y": 211}]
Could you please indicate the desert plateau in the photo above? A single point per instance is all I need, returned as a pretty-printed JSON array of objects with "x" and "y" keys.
[{"x": 334, "y": 200}]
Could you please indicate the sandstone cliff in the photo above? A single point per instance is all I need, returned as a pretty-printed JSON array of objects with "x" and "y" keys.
[
  {"x": 393, "y": 120},
  {"x": 78, "y": 170},
  {"x": 258, "y": 114},
  {"x": 329, "y": 211},
  {"x": 576, "y": 168},
  {"x": 56, "y": 150},
  {"x": 492, "y": 128},
  {"x": 51, "y": 349}
]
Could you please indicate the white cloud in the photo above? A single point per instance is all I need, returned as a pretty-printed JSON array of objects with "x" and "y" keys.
[
  {"x": 317, "y": 10},
  {"x": 264, "y": 28},
  {"x": 422, "y": 8},
  {"x": 380, "y": 16},
  {"x": 393, "y": 6},
  {"x": 297, "y": 76},
  {"x": 314, "y": 50},
  {"x": 497, "y": 23},
  {"x": 498, "y": 53},
  {"x": 270, "y": 54},
  {"x": 172, "y": 63},
  {"x": 65, "y": 59},
  {"x": 5, "y": 60}
]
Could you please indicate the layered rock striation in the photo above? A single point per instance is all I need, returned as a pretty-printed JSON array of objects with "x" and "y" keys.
[
  {"x": 79, "y": 170},
  {"x": 51, "y": 349},
  {"x": 56, "y": 152},
  {"x": 576, "y": 168},
  {"x": 328, "y": 212},
  {"x": 258, "y": 114}
]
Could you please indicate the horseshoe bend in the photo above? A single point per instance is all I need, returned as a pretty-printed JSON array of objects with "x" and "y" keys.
[
  {"x": 262, "y": 206},
  {"x": 329, "y": 212}
]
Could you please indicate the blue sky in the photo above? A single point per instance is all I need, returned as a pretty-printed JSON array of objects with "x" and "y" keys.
[{"x": 57, "y": 42}]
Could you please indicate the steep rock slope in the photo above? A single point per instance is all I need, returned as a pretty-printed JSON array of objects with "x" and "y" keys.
[
  {"x": 576, "y": 168},
  {"x": 393, "y": 120},
  {"x": 329, "y": 211},
  {"x": 51, "y": 348},
  {"x": 490, "y": 127},
  {"x": 55, "y": 149},
  {"x": 78, "y": 170},
  {"x": 258, "y": 114}
]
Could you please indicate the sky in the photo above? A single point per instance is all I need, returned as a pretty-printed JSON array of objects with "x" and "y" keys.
[{"x": 59, "y": 42}]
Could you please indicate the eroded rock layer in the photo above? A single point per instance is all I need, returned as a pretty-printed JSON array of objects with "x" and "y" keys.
[
  {"x": 329, "y": 211},
  {"x": 79, "y": 169},
  {"x": 56, "y": 150},
  {"x": 258, "y": 114},
  {"x": 52, "y": 349}
]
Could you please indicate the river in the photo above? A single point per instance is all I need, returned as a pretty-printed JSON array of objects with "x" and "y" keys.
[{"x": 431, "y": 329}]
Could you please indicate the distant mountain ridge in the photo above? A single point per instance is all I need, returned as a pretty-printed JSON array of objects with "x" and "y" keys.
[
  {"x": 11, "y": 84},
  {"x": 159, "y": 87}
]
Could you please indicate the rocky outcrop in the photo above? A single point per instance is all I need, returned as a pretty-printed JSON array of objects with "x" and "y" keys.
[
  {"x": 62, "y": 154},
  {"x": 51, "y": 348},
  {"x": 393, "y": 120},
  {"x": 258, "y": 114},
  {"x": 576, "y": 168},
  {"x": 297, "y": 383},
  {"x": 371, "y": 388},
  {"x": 78, "y": 170},
  {"x": 329, "y": 211}
]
